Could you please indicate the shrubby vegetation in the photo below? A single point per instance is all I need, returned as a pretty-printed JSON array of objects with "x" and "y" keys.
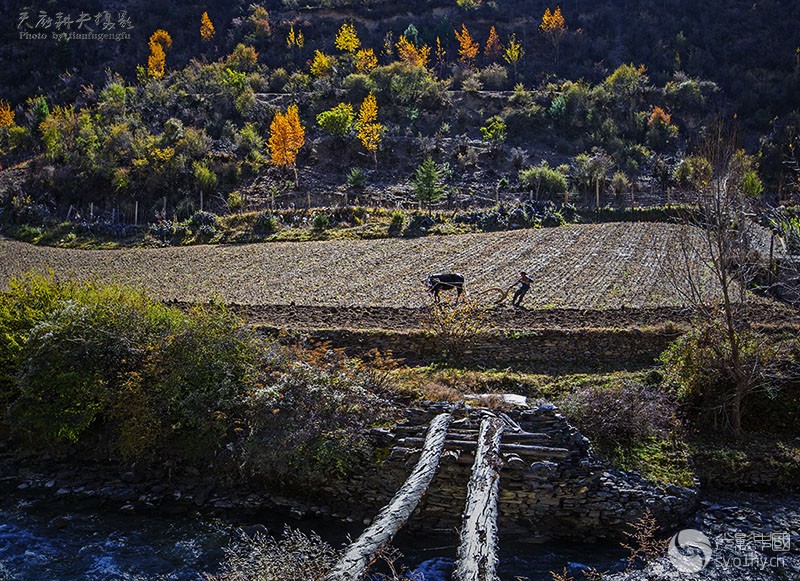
[
  {"x": 189, "y": 131},
  {"x": 108, "y": 371}
]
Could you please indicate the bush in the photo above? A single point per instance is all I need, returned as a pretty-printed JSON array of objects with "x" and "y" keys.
[
  {"x": 700, "y": 365},
  {"x": 494, "y": 77},
  {"x": 294, "y": 556},
  {"x": 308, "y": 426},
  {"x": 543, "y": 179},
  {"x": 625, "y": 414},
  {"x": 338, "y": 120},
  {"x": 321, "y": 221},
  {"x": 494, "y": 131},
  {"x": 265, "y": 224},
  {"x": 402, "y": 84},
  {"x": 235, "y": 201},
  {"x": 356, "y": 179},
  {"x": 154, "y": 383},
  {"x": 199, "y": 219}
]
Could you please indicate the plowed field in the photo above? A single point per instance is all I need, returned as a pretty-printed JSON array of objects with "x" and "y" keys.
[{"x": 611, "y": 270}]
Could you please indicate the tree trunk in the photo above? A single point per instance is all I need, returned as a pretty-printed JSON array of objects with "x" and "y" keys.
[
  {"x": 356, "y": 560},
  {"x": 477, "y": 551}
]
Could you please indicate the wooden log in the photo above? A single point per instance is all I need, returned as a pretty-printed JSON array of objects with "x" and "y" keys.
[
  {"x": 477, "y": 550},
  {"x": 358, "y": 557},
  {"x": 531, "y": 451}
]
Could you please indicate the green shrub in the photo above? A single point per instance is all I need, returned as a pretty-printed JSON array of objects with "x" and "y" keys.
[
  {"x": 235, "y": 201},
  {"x": 494, "y": 131},
  {"x": 356, "y": 179},
  {"x": 321, "y": 221},
  {"x": 543, "y": 179},
  {"x": 337, "y": 120},
  {"x": 402, "y": 84},
  {"x": 265, "y": 224},
  {"x": 154, "y": 383},
  {"x": 397, "y": 219},
  {"x": 494, "y": 76}
]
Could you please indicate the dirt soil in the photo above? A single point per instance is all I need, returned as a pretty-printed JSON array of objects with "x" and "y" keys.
[{"x": 598, "y": 275}]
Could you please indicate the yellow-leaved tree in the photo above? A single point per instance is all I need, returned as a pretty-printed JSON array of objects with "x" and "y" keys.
[
  {"x": 493, "y": 48},
  {"x": 6, "y": 115},
  {"x": 160, "y": 42},
  {"x": 553, "y": 27},
  {"x": 286, "y": 137},
  {"x": 411, "y": 55},
  {"x": 366, "y": 60},
  {"x": 321, "y": 64},
  {"x": 295, "y": 39},
  {"x": 513, "y": 52},
  {"x": 206, "y": 28},
  {"x": 441, "y": 56},
  {"x": 467, "y": 48},
  {"x": 369, "y": 131},
  {"x": 347, "y": 39}
]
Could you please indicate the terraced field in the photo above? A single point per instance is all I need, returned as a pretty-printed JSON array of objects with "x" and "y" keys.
[{"x": 378, "y": 283}]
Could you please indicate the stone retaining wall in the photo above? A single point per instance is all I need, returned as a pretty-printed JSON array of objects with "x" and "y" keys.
[
  {"x": 542, "y": 349},
  {"x": 570, "y": 494}
]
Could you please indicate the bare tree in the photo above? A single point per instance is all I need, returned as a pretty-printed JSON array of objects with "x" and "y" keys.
[{"x": 718, "y": 263}]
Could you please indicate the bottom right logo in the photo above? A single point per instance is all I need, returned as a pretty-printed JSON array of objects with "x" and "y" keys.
[{"x": 689, "y": 551}]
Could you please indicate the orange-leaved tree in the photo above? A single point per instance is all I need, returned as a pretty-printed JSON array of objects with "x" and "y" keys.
[
  {"x": 286, "y": 137},
  {"x": 411, "y": 55},
  {"x": 369, "y": 131},
  {"x": 6, "y": 115},
  {"x": 493, "y": 48},
  {"x": 160, "y": 42},
  {"x": 347, "y": 39},
  {"x": 467, "y": 48},
  {"x": 553, "y": 27},
  {"x": 206, "y": 28}
]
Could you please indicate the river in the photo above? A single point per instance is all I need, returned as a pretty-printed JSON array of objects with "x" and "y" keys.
[{"x": 44, "y": 542}]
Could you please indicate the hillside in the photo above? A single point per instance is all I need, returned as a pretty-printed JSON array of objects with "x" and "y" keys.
[{"x": 613, "y": 111}]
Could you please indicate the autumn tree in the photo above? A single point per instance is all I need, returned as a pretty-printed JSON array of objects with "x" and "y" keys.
[
  {"x": 411, "y": 55},
  {"x": 493, "y": 48},
  {"x": 441, "y": 56},
  {"x": 206, "y": 28},
  {"x": 259, "y": 21},
  {"x": 369, "y": 131},
  {"x": 467, "y": 48},
  {"x": 6, "y": 115},
  {"x": 513, "y": 52},
  {"x": 295, "y": 39},
  {"x": 347, "y": 39},
  {"x": 366, "y": 60},
  {"x": 160, "y": 42},
  {"x": 243, "y": 58},
  {"x": 553, "y": 28},
  {"x": 321, "y": 64},
  {"x": 286, "y": 137}
]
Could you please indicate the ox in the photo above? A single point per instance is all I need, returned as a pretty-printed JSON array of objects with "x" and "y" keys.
[{"x": 445, "y": 282}]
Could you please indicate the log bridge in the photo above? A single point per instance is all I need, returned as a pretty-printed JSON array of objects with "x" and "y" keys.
[{"x": 477, "y": 551}]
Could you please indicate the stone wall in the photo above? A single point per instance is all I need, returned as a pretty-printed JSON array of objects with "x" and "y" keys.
[
  {"x": 557, "y": 348},
  {"x": 551, "y": 486}
]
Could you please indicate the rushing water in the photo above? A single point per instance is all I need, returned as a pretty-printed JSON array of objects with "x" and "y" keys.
[{"x": 44, "y": 543}]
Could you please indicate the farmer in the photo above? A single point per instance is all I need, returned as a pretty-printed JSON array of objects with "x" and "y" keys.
[{"x": 524, "y": 284}]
